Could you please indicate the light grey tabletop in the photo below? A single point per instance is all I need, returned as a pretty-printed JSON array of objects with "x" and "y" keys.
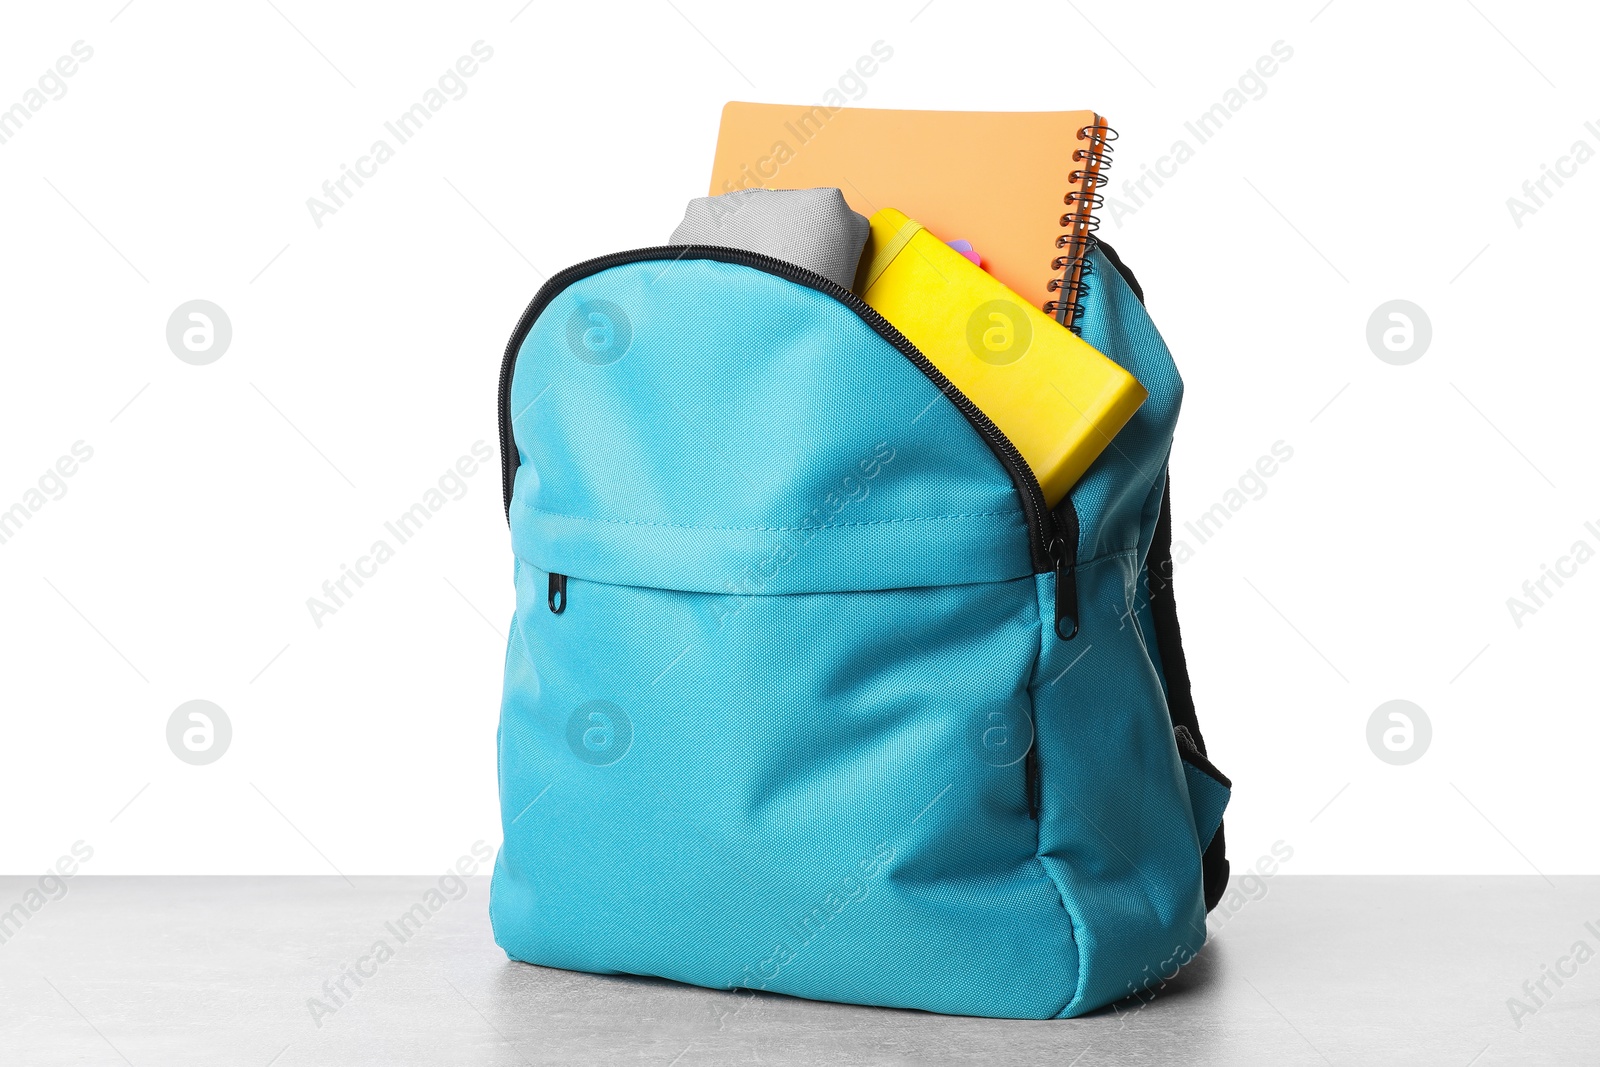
[{"x": 1313, "y": 970}]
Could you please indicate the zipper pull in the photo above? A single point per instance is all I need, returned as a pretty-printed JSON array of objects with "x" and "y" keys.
[
  {"x": 1064, "y": 551},
  {"x": 558, "y": 593}
]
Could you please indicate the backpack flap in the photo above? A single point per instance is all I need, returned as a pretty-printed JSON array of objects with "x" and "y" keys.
[{"x": 704, "y": 426}]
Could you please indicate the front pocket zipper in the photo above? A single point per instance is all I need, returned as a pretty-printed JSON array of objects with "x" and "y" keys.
[
  {"x": 1050, "y": 549},
  {"x": 1066, "y": 561}
]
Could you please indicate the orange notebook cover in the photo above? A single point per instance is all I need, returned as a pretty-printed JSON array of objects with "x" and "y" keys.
[{"x": 1020, "y": 185}]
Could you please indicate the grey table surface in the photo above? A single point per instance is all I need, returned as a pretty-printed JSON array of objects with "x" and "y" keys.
[{"x": 1306, "y": 970}]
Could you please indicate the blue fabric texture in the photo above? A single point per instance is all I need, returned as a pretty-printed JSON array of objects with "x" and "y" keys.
[{"x": 779, "y": 736}]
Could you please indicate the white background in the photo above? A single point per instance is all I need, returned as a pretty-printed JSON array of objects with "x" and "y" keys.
[{"x": 1377, "y": 566}]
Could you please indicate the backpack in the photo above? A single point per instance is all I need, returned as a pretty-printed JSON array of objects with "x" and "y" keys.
[{"x": 807, "y": 691}]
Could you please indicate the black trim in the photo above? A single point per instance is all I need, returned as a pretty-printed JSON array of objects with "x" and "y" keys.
[
  {"x": 1041, "y": 526},
  {"x": 1169, "y": 641},
  {"x": 1164, "y": 613},
  {"x": 1122, "y": 268},
  {"x": 1190, "y": 751},
  {"x": 1065, "y": 551}
]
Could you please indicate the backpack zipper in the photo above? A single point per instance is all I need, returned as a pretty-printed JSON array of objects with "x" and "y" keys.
[
  {"x": 1050, "y": 548},
  {"x": 1065, "y": 554}
]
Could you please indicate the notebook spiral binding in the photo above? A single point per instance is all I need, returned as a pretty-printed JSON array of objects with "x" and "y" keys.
[{"x": 1080, "y": 223}]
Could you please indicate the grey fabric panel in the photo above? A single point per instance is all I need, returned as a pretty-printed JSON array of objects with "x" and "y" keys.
[{"x": 813, "y": 228}]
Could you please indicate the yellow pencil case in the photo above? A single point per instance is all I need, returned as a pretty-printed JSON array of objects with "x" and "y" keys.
[{"x": 1058, "y": 400}]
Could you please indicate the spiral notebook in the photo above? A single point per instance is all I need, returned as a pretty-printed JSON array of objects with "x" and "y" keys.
[{"x": 1021, "y": 186}]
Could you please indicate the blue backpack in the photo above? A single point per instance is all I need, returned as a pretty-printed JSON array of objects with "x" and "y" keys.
[{"x": 807, "y": 691}]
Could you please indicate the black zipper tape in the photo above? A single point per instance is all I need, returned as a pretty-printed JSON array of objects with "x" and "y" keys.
[
  {"x": 1047, "y": 546},
  {"x": 1064, "y": 553}
]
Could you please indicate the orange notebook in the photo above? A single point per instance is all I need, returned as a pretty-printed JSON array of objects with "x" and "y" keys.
[{"x": 1020, "y": 185}]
